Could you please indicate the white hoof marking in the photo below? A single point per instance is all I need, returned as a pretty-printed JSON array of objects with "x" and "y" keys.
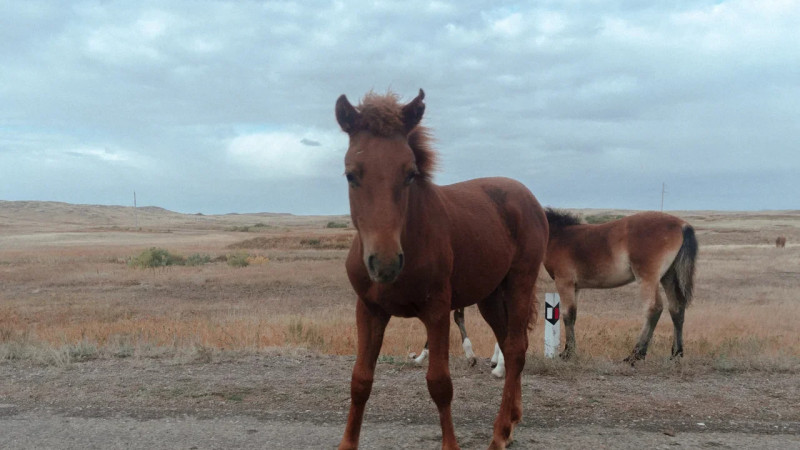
[
  {"x": 422, "y": 357},
  {"x": 500, "y": 370},
  {"x": 468, "y": 349}
]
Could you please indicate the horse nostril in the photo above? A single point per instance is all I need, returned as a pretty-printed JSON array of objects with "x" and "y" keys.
[
  {"x": 400, "y": 260},
  {"x": 371, "y": 263}
]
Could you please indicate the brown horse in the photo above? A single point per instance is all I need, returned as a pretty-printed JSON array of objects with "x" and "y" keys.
[
  {"x": 423, "y": 250},
  {"x": 648, "y": 247},
  {"x": 780, "y": 242}
]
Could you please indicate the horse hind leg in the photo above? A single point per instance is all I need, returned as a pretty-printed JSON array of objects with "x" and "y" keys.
[
  {"x": 498, "y": 362},
  {"x": 569, "y": 303},
  {"x": 676, "y": 304},
  {"x": 458, "y": 318},
  {"x": 509, "y": 314},
  {"x": 423, "y": 355},
  {"x": 493, "y": 310},
  {"x": 649, "y": 293}
]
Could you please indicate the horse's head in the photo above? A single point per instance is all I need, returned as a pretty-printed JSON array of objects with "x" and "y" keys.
[{"x": 381, "y": 167}]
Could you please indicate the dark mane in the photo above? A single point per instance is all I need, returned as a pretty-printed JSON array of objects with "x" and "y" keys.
[
  {"x": 382, "y": 115},
  {"x": 558, "y": 218}
]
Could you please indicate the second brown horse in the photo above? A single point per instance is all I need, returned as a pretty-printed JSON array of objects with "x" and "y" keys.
[{"x": 648, "y": 247}]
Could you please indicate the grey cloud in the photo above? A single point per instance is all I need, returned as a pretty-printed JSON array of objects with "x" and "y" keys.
[
  {"x": 549, "y": 93},
  {"x": 310, "y": 142}
]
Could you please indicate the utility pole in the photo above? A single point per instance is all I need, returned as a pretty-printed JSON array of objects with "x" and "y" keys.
[
  {"x": 663, "y": 191},
  {"x": 135, "y": 211}
]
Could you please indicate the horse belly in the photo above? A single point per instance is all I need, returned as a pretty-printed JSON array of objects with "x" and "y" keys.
[
  {"x": 472, "y": 283},
  {"x": 615, "y": 273}
]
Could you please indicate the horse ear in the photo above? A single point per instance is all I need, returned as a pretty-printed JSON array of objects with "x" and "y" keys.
[
  {"x": 412, "y": 112},
  {"x": 347, "y": 116}
]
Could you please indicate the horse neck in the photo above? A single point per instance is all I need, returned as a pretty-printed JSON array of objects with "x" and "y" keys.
[
  {"x": 425, "y": 210},
  {"x": 557, "y": 230}
]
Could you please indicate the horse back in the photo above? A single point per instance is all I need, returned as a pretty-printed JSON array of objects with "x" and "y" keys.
[{"x": 495, "y": 225}]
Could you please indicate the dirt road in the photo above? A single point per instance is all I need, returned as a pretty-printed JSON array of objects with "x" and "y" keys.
[{"x": 300, "y": 400}]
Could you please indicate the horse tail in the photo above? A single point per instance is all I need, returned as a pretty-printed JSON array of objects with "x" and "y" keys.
[{"x": 684, "y": 266}]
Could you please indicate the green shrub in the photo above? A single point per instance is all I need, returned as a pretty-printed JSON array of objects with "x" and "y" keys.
[
  {"x": 248, "y": 228},
  {"x": 197, "y": 259},
  {"x": 311, "y": 242},
  {"x": 602, "y": 218},
  {"x": 156, "y": 257},
  {"x": 238, "y": 259},
  {"x": 336, "y": 225}
]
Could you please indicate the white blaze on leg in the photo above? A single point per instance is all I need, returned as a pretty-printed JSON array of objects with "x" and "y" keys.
[
  {"x": 496, "y": 354},
  {"x": 468, "y": 348},
  {"x": 500, "y": 370}
]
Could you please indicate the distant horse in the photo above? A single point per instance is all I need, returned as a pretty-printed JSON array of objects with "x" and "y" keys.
[
  {"x": 422, "y": 250},
  {"x": 647, "y": 247},
  {"x": 780, "y": 242},
  {"x": 498, "y": 363}
]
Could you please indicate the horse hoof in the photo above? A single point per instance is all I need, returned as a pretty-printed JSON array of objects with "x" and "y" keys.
[
  {"x": 496, "y": 446},
  {"x": 412, "y": 355},
  {"x": 471, "y": 361},
  {"x": 633, "y": 359},
  {"x": 494, "y": 364}
]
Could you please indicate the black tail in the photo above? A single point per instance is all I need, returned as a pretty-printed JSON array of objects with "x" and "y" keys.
[{"x": 684, "y": 266}]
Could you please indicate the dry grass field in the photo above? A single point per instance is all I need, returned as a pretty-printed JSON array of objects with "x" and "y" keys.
[{"x": 68, "y": 290}]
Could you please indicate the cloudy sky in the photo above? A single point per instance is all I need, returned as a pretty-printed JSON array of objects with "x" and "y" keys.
[{"x": 220, "y": 107}]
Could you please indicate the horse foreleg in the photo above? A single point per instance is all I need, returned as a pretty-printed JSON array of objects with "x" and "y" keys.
[
  {"x": 458, "y": 317},
  {"x": 440, "y": 385},
  {"x": 371, "y": 326},
  {"x": 649, "y": 293}
]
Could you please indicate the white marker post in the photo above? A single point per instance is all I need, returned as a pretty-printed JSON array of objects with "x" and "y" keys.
[{"x": 552, "y": 326}]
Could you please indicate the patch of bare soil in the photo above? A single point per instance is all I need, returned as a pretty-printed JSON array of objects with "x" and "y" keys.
[{"x": 300, "y": 400}]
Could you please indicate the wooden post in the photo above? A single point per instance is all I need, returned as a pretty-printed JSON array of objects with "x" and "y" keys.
[{"x": 552, "y": 325}]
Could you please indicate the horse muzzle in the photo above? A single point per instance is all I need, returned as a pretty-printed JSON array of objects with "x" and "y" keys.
[{"x": 384, "y": 270}]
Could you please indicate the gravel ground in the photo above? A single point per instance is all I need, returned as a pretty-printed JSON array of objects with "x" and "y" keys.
[{"x": 300, "y": 400}]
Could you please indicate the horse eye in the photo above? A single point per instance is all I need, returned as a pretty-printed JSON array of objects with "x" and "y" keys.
[
  {"x": 410, "y": 177},
  {"x": 351, "y": 179}
]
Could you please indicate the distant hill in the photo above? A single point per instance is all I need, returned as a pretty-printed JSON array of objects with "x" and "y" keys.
[{"x": 57, "y": 216}]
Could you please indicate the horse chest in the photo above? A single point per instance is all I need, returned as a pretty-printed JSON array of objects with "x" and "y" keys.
[{"x": 399, "y": 301}]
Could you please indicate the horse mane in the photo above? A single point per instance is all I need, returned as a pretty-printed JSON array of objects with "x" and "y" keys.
[
  {"x": 558, "y": 218},
  {"x": 383, "y": 116}
]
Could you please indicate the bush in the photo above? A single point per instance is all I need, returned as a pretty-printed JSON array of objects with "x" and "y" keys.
[
  {"x": 156, "y": 257},
  {"x": 238, "y": 259},
  {"x": 198, "y": 260},
  {"x": 602, "y": 218},
  {"x": 336, "y": 225},
  {"x": 311, "y": 242},
  {"x": 248, "y": 228},
  {"x": 257, "y": 260}
]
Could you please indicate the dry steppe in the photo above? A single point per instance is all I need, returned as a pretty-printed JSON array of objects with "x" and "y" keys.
[{"x": 97, "y": 353}]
